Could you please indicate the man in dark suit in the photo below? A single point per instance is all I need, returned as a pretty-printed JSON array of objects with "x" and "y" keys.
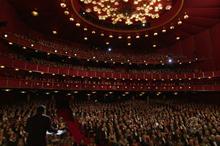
[{"x": 37, "y": 126}]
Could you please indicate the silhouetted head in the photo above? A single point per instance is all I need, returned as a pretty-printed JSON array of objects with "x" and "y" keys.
[{"x": 41, "y": 109}]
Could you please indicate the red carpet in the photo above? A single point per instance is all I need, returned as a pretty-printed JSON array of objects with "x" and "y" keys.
[{"x": 74, "y": 130}]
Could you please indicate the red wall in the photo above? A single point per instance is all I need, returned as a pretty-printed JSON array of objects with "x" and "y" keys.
[{"x": 205, "y": 45}]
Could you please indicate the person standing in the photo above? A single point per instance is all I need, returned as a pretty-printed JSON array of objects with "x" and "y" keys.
[{"x": 37, "y": 126}]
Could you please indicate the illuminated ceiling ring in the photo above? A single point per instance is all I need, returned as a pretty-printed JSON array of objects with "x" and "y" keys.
[{"x": 176, "y": 11}]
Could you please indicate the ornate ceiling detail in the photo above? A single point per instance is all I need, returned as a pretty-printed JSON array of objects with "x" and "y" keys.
[
  {"x": 126, "y": 11},
  {"x": 123, "y": 16}
]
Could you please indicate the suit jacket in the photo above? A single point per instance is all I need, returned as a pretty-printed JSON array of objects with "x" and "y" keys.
[{"x": 37, "y": 126}]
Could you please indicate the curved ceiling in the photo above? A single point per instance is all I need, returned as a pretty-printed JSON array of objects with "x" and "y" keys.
[
  {"x": 120, "y": 15},
  {"x": 192, "y": 17}
]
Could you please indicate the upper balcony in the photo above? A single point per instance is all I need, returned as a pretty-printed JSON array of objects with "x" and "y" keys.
[{"x": 75, "y": 51}]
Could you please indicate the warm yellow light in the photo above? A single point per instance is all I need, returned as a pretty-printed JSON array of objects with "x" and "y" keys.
[
  {"x": 34, "y": 13},
  {"x": 66, "y": 12},
  {"x": 63, "y": 5},
  {"x": 71, "y": 19},
  {"x": 54, "y": 32},
  {"x": 177, "y": 38},
  {"x": 78, "y": 24},
  {"x": 110, "y": 9}
]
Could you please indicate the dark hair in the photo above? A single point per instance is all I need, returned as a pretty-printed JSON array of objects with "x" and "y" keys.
[{"x": 41, "y": 109}]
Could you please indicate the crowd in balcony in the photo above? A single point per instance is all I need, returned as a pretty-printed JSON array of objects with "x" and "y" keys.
[
  {"x": 100, "y": 55},
  {"x": 13, "y": 120},
  {"x": 138, "y": 123},
  {"x": 96, "y": 67},
  {"x": 88, "y": 81}
]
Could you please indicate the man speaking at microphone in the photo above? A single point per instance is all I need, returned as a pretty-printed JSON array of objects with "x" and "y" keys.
[{"x": 37, "y": 126}]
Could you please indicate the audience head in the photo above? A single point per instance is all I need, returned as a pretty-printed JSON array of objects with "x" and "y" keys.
[{"x": 41, "y": 109}]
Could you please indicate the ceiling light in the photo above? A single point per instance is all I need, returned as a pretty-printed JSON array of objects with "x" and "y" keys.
[
  {"x": 85, "y": 29},
  {"x": 93, "y": 32},
  {"x": 34, "y": 13},
  {"x": 119, "y": 37},
  {"x": 32, "y": 45},
  {"x": 164, "y": 30},
  {"x": 154, "y": 46},
  {"x": 168, "y": 7},
  {"x": 54, "y": 32},
  {"x": 2, "y": 66},
  {"x": 102, "y": 34},
  {"x": 24, "y": 47},
  {"x": 129, "y": 44},
  {"x": 5, "y": 35},
  {"x": 71, "y": 19},
  {"x": 63, "y": 5},
  {"x": 179, "y": 22},
  {"x": 111, "y": 36},
  {"x": 107, "y": 43},
  {"x": 16, "y": 69},
  {"x": 78, "y": 24},
  {"x": 110, "y": 9},
  {"x": 85, "y": 38},
  {"x": 172, "y": 27},
  {"x": 129, "y": 37},
  {"x": 146, "y": 35},
  {"x": 177, "y": 38},
  {"x": 137, "y": 37},
  {"x": 155, "y": 34},
  {"x": 186, "y": 16},
  {"x": 10, "y": 43},
  {"x": 66, "y": 12}
]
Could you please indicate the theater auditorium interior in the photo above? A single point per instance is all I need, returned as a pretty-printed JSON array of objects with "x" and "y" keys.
[{"x": 111, "y": 72}]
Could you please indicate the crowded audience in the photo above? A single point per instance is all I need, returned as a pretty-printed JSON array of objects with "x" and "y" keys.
[
  {"x": 138, "y": 123},
  {"x": 13, "y": 119}
]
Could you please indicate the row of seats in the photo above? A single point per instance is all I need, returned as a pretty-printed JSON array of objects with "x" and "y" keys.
[{"x": 137, "y": 123}]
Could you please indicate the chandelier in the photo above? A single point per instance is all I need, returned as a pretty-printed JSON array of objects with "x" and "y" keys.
[{"x": 126, "y": 11}]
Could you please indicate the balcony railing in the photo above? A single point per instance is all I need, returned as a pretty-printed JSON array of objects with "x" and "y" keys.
[{"x": 68, "y": 71}]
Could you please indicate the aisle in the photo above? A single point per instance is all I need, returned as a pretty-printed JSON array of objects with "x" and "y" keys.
[{"x": 75, "y": 131}]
